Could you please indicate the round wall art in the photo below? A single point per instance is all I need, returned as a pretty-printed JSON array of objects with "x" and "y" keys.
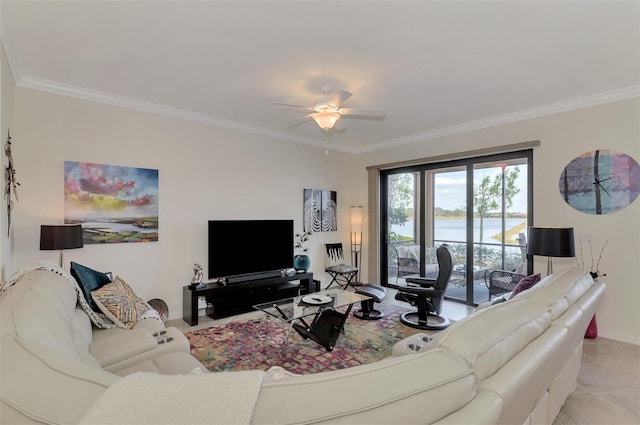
[{"x": 600, "y": 182}]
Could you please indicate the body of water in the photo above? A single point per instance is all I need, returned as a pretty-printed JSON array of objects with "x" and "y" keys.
[
  {"x": 456, "y": 229},
  {"x": 117, "y": 227}
]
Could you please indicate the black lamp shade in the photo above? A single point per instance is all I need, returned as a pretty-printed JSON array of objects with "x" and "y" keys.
[
  {"x": 551, "y": 241},
  {"x": 64, "y": 236}
]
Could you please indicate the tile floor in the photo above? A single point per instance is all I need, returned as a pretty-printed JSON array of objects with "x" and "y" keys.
[{"x": 608, "y": 389}]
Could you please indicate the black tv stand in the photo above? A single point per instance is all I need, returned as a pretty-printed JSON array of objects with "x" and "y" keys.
[
  {"x": 236, "y": 298},
  {"x": 251, "y": 277}
]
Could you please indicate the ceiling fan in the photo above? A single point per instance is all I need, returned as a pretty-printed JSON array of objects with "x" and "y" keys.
[{"x": 327, "y": 110}]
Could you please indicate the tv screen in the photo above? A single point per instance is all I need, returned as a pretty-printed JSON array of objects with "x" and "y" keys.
[{"x": 239, "y": 247}]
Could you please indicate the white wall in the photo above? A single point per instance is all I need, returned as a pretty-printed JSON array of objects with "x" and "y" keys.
[
  {"x": 210, "y": 173},
  {"x": 204, "y": 172},
  {"x": 563, "y": 136},
  {"x": 6, "y": 123}
]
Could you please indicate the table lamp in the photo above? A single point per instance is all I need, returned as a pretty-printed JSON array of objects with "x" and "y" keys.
[
  {"x": 61, "y": 236},
  {"x": 551, "y": 242}
]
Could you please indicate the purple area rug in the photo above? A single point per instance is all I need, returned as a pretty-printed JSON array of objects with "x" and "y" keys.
[{"x": 258, "y": 344}]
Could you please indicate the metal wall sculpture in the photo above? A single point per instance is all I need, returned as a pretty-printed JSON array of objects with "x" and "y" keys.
[{"x": 10, "y": 181}]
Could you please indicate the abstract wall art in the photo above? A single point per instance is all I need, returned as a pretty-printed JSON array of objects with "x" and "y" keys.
[
  {"x": 320, "y": 210},
  {"x": 113, "y": 204},
  {"x": 600, "y": 182}
]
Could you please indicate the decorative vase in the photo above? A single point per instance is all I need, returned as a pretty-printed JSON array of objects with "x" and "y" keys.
[
  {"x": 592, "y": 329},
  {"x": 301, "y": 262}
]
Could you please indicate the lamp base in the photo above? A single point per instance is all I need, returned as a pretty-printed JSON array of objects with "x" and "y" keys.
[
  {"x": 549, "y": 266},
  {"x": 356, "y": 249}
]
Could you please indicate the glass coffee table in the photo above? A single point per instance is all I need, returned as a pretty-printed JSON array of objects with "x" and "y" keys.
[{"x": 314, "y": 316}]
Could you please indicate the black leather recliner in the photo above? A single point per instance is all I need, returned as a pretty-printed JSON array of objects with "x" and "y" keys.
[{"x": 427, "y": 294}]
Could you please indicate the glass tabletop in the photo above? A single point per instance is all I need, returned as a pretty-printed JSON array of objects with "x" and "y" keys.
[{"x": 291, "y": 309}]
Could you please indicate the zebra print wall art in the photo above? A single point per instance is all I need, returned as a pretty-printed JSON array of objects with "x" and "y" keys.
[{"x": 320, "y": 210}]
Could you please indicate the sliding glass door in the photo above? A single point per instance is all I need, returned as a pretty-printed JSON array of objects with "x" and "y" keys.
[
  {"x": 480, "y": 207},
  {"x": 403, "y": 229},
  {"x": 448, "y": 214}
]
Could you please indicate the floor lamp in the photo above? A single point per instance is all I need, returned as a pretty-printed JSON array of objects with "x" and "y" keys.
[
  {"x": 356, "y": 237},
  {"x": 551, "y": 242},
  {"x": 62, "y": 236}
]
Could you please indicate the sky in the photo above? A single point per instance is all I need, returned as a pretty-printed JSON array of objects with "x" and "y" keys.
[
  {"x": 98, "y": 191},
  {"x": 450, "y": 188}
]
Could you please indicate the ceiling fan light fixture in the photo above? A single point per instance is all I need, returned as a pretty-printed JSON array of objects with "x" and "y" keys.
[{"x": 326, "y": 120}]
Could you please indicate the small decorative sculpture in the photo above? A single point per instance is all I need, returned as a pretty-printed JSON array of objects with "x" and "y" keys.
[{"x": 197, "y": 274}]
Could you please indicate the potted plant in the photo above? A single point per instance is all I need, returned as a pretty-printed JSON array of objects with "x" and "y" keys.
[{"x": 301, "y": 260}]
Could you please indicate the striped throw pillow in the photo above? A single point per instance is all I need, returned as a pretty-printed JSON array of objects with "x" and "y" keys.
[{"x": 119, "y": 303}]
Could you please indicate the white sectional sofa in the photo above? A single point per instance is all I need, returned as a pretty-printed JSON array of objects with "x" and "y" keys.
[
  {"x": 511, "y": 363},
  {"x": 49, "y": 347}
]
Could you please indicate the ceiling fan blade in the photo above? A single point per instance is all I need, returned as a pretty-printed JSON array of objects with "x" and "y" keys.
[
  {"x": 290, "y": 105},
  {"x": 363, "y": 112},
  {"x": 297, "y": 121},
  {"x": 339, "y": 98}
]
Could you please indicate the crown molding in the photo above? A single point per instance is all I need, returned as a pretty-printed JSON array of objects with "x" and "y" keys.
[
  {"x": 14, "y": 59},
  {"x": 154, "y": 108},
  {"x": 540, "y": 111},
  {"x": 78, "y": 92}
]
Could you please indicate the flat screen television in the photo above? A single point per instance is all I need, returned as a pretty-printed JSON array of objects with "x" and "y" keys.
[{"x": 248, "y": 247}]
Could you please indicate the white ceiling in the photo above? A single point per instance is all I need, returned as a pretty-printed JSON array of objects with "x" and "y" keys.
[{"x": 436, "y": 67}]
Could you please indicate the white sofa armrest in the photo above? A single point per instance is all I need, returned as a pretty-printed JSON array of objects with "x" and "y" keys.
[
  {"x": 122, "y": 346},
  {"x": 412, "y": 344}
]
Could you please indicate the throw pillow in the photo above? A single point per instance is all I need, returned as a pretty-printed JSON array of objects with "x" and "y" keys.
[
  {"x": 525, "y": 283},
  {"x": 119, "y": 303},
  {"x": 89, "y": 281}
]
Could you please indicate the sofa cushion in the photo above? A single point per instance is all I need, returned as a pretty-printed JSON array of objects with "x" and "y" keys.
[
  {"x": 89, "y": 281},
  {"x": 148, "y": 322},
  {"x": 440, "y": 378},
  {"x": 38, "y": 381},
  {"x": 560, "y": 291},
  {"x": 171, "y": 341},
  {"x": 513, "y": 325},
  {"x": 522, "y": 383},
  {"x": 178, "y": 363},
  {"x": 82, "y": 336},
  {"x": 122, "y": 346},
  {"x": 120, "y": 303},
  {"x": 39, "y": 320},
  {"x": 152, "y": 398},
  {"x": 525, "y": 283},
  {"x": 62, "y": 289}
]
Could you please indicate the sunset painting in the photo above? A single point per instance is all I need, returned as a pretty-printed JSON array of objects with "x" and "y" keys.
[{"x": 113, "y": 204}]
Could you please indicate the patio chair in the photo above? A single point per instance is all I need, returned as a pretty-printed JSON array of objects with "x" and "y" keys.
[
  {"x": 408, "y": 260},
  {"x": 341, "y": 273},
  {"x": 502, "y": 281},
  {"x": 428, "y": 295}
]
